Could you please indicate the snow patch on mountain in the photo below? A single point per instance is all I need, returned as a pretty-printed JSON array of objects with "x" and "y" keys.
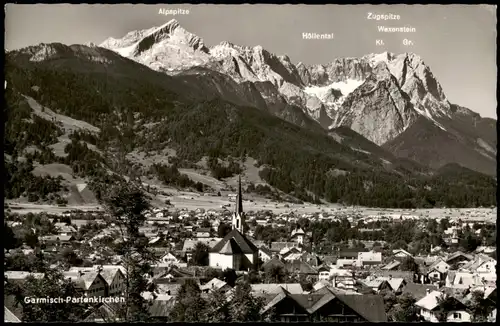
[
  {"x": 425, "y": 112},
  {"x": 167, "y": 47},
  {"x": 126, "y": 51},
  {"x": 321, "y": 90},
  {"x": 375, "y": 58},
  {"x": 345, "y": 87},
  {"x": 485, "y": 146}
]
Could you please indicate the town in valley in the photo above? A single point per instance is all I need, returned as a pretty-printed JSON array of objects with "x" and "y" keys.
[{"x": 250, "y": 163}]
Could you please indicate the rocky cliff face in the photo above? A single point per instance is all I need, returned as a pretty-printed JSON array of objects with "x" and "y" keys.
[
  {"x": 319, "y": 90},
  {"x": 341, "y": 69},
  {"x": 378, "y": 109},
  {"x": 380, "y": 96}
]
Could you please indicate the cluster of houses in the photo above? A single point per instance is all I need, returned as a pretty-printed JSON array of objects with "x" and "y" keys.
[{"x": 345, "y": 286}]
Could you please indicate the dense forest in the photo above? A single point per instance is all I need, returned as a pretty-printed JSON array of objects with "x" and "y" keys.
[
  {"x": 20, "y": 181},
  {"x": 140, "y": 111}
]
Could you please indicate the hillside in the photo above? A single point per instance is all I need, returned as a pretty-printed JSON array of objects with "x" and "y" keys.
[
  {"x": 378, "y": 95},
  {"x": 434, "y": 147},
  {"x": 136, "y": 108}
]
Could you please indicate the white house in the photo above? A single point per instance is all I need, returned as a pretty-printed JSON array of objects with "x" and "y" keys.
[
  {"x": 261, "y": 221},
  {"x": 115, "y": 280},
  {"x": 215, "y": 284},
  {"x": 92, "y": 284},
  {"x": 401, "y": 253},
  {"x": 344, "y": 282},
  {"x": 265, "y": 254},
  {"x": 487, "y": 267},
  {"x": 481, "y": 264},
  {"x": 429, "y": 304},
  {"x": 438, "y": 270},
  {"x": 168, "y": 258},
  {"x": 64, "y": 229},
  {"x": 321, "y": 284},
  {"x": 203, "y": 233},
  {"x": 298, "y": 236},
  {"x": 485, "y": 250},
  {"x": 464, "y": 280},
  {"x": 370, "y": 258}
]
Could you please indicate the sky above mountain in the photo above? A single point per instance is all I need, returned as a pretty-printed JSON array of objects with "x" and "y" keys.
[{"x": 457, "y": 42}]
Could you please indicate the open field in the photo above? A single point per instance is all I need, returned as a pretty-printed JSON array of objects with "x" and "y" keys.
[
  {"x": 193, "y": 201},
  {"x": 25, "y": 208},
  {"x": 252, "y": 202}
]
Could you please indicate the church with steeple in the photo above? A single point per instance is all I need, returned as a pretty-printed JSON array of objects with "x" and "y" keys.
[{"x": 235, "y": 251}]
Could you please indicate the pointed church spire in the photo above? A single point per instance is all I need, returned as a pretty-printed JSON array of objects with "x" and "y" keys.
[
  {"x": 238, "y": 216},
  {"x": 239, "y": 199}
]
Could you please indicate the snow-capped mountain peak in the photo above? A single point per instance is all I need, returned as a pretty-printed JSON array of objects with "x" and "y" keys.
[
  {"x": 172, "y": 24},
  {"x": 167, "y": 47},
  {"x": 375, "y": 58},
  {"x": 326, "y": 90}
]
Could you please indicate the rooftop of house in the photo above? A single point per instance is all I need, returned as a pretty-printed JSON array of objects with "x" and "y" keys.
[
  {"x": 83, "y": 280},
  {"x": 300, "y": 267},
  {"x": 230, "y": 248},
  {"x": 370, "y": 307},
  {"x": 273, "y": 262},
  {"x": 293, "y": 256},
  {"x": 109, "y": 274},
  {"x": 213, "y": 284},
  {"x": 9, "y": 317},
  {"x": 392, "y": 265},
  {"x": 407, "y": 275},
  {"x": 278, "y": 246},
  {"x": 458, "y": 254},
  {"x": 394, "y": 282},
  {"x": 486, "y": 290},
  {"x": 189, "y": 244},
  {"x": 476, "y": 262},
  {"x": 161, "y": 308},
  {"x": 294, "y": 288},
  {"x": 297, "y": 232},
  {"x": 419, "y": 291},
  {"x": 266, "y": 250},
  {"x": 103, "y": 312},
  {"x": 402, "y": 251},
  {"x": 63, "y": 227},
  {"x": 431, "y": 302},
  {"x": 440, "y": 266},
  {"x": 167, "y": 288}
]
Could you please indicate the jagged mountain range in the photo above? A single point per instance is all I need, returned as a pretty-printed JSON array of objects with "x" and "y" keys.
[
  {"x": 200, "y": 112},
  {"x": 383, "y": 97}
]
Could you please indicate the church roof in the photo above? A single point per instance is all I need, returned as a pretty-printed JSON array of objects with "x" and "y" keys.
[
  {"x": 230, "y": 248},
  {"x": 245, "y": 245},
  {"x": 239, "y": 200}
]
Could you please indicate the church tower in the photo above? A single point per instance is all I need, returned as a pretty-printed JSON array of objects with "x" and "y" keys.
[{"x": 239, "y": 216}]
